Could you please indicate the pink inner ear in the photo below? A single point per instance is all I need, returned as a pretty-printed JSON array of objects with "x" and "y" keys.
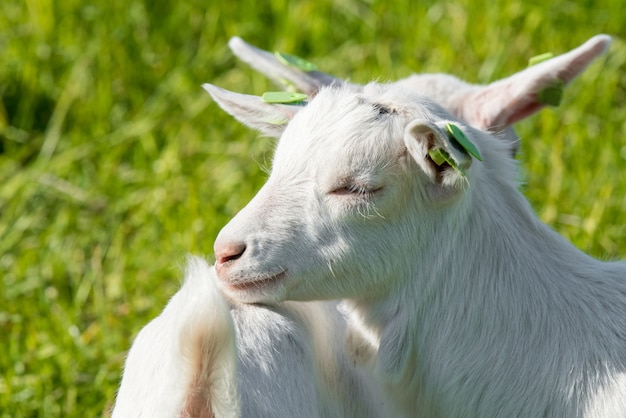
[
  {"x": 523, "y": 112},
  {"x": 502, "y": 103}
]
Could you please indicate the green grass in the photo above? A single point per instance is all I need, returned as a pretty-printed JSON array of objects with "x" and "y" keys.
[{"x": 114, "y": 163}]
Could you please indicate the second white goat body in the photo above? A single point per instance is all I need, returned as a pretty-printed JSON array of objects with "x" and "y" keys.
[
  {"x": 204, "y": 356},
  {"x": 469, "y": 304}
]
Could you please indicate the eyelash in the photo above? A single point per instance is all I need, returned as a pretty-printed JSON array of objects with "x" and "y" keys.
[{"x": 356, "y": 190}]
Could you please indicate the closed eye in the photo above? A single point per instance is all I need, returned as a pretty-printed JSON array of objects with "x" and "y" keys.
[{"x": 355, "y": 190}]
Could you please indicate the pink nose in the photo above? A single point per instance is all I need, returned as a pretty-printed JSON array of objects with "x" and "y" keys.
[{"x": 226, "y": 253}]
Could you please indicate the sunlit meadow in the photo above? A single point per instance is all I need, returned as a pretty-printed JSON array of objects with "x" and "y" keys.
[{"x": 114, "y": 163}]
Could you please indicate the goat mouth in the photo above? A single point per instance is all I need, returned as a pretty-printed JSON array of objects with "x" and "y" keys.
[{"x": 257, "y": 283}]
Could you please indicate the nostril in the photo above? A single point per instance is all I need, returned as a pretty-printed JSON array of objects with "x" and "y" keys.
[{"x": 229, "y": 252}]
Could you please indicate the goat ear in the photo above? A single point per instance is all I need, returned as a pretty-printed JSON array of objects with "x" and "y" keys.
[
  {"x": 252, "y": 111},
  {"x": 438, "y": 153},
  {"x": 504, "y": 102},
  {"x": 286, "y": 76}
]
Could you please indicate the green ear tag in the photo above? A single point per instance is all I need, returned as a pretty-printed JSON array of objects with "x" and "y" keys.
[
  {"x": 283, "y": 97},
  {"x": 440, "y": 156},
  {"x": 296, "y": 62},
  {"x": 540, "y": 58},
  {"x": 463, "y": 141},
  {"x": 552, "y": 94}
]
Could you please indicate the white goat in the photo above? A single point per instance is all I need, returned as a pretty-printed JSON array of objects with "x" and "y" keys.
[
  {"x": 290, "y": 359},
  {"x": 470, "y": 305}
]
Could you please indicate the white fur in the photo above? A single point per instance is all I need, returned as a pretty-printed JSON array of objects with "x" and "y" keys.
[
  {"x": 287, "y": 361},
  {"x": 183, "y": 363},
  {"x": 465, "y": 303},
  {"x": 290, "y": 358}
]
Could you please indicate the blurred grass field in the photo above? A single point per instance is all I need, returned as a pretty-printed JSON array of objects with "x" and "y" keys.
[{"x": 114, "y": 163}]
